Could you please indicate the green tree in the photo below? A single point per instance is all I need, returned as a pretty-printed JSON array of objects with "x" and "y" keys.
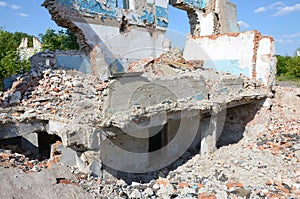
[
  {"x": 63, "y": 40},
  {"x": 9, "y": 42},
  {"x": 10, "y": 64},
  {"x": 294, "y": 68},
  {"x": 288, "y": 68},
  {"x": 9, "y": 59},
  {"x": 282, "y": 64}
]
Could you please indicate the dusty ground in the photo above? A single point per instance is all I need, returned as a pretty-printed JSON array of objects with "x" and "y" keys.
[{"x": 264, "y": 166}]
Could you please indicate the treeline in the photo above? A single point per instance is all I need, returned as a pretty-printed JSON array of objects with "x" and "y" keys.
[
  {"x": 10, "y": 62},
  {"x": 288, "y": 68},
  {"x": 61, "y": 40}
]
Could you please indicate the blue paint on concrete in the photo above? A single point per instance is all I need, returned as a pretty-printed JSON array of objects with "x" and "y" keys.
[
  {"x": 133, "y": 18},
  {"x": 79, "y": 63},
  {"x": 161, "y": 12},
  {"x": 196, "y": 3},
  {"x": 161, "y": 16},
  {"x": 198, "y": 97},
  {"x": 231, "y": 66},
  {"x": 161, "y": 23},
  {"x": 111, "y": 3},
  {"x": 110, "y": 9},
  {"x": 94, "y": 7},
  {"x": 148, "y": 17},
  {"x": 136, "y": 104}
]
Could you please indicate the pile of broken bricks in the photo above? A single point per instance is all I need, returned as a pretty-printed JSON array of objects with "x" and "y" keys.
[{"x": 264, "y": 166}]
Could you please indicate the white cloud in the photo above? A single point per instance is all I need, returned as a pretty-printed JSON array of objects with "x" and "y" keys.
[
  {"x": 15, "y": 7},
  {"x": 284, "y": 41},
  {"x": 12, "y": 6},
  {"x": 297, "y": 34},
  {"x": 3, "y": 4},
  {"x": 288, "y": 38},
  {"x": 21, "y": 14},
  {"x": 243, "y": 24},
  {"x": 260, "y": 9},
  {"x": 274, "y": 6},
  {"x": 277, "y": 5},
  {"x": 287, "y": 10}
]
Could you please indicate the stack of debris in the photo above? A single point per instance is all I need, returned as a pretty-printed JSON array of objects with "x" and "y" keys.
[
  {"x": 167, "y": 64},
  {"x": 266, "y": 165}
]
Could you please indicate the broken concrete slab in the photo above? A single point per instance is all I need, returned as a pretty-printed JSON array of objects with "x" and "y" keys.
[{"x": 10, "y": 130}]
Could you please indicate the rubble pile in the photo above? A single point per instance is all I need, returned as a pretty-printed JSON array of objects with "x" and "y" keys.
[
  {"x": 54, "y": 93},
  {"x": 263, "y": 166},
  {"x": 169, "y": 63},
  {"x": 17, "y": 158},
  {"x": 266, "y": 165}
]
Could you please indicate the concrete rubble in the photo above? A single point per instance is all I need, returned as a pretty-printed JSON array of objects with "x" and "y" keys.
[
  {"x": 74, "y": 105},
  {"x": 187, "y": 96},
  {"x": 263, "y": 166},
  {"x": 130, "y": 106}
]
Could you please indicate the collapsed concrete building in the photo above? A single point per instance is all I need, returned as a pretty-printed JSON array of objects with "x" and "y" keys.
[{"x": 143, "y": 105}]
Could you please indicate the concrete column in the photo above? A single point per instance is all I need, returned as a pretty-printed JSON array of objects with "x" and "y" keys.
[
  {"x": 211, "y": 129},
  {"x": 30, "y": 142}
]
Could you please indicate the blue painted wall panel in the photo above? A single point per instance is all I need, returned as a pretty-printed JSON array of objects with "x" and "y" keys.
[
  {"x": 161, "y": 12},
  {"x": 94, "y": 7},
  {"x": 110, "y": 9},
  {"x": 148, "y": 17},
  {"x": 198, "y": 97},
  {"x": 196, "y": 3},
  {"x": 111, "y": 3},
  {"x": 78, "y": 63},
  {"x": 231, "y": 66},
  {"x": 161, "y": 16},
  {"x": 161, "y": 23}
]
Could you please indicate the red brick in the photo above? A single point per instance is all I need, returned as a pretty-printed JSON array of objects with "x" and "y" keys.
[
  {"x": 162, "y": 181},
  {"x": 207, "y": 195},
  {"x": 183, "y": 184},
  {"x": 200, "y": 185},
  {"x": 231, "y": 184}
]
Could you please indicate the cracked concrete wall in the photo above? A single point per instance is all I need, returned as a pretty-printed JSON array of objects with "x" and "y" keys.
[
  {"x": 209, "y": 17},
  {"x": 110, "y": 34},
  {"x": 251, "y": 54}
]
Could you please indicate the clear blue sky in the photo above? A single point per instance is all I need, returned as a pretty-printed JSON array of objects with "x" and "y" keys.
[{"x": 279, "y": 19}]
